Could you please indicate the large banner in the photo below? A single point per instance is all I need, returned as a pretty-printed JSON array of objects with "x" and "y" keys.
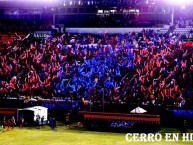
[{"x": 187, "y": 37}]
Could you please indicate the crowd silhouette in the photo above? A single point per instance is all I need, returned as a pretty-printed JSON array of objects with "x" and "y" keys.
[{"x": 145, "y": 68}]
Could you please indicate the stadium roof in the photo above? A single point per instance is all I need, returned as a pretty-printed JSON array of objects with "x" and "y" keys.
[
  {"x": 56, "y": 3},
  {"x": 28, "y": 3}
]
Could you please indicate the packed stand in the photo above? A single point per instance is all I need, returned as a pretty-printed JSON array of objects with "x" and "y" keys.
[{"x": 140, "y": 68}]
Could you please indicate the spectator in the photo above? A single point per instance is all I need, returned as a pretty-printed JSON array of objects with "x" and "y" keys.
[
  {"x": 42, "y": 120},
  {"x": 143, "y": 68},
  {"x": 51, "y": 123},
  {"x": 21, "y": 122}
]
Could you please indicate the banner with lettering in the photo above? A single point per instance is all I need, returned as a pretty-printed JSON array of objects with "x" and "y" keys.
[{"x": 41, "y": 34}]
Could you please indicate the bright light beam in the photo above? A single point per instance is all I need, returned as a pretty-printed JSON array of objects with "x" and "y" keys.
[
  {"x": 178, "y": 2},
  {"x": 32, "y": 0}
]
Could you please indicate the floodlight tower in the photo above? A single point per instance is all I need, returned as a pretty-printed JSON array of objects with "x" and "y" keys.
[{"x": 172, "y": 16}]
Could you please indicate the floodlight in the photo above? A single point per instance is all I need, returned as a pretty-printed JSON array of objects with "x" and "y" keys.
[
  {"x": 183, "y": 7},
  {"x": 178, "y": 2},
  {"x": 41, "y": 0}
]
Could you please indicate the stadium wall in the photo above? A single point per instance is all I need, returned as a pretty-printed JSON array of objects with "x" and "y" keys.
[{"x": 107, "y": 30}]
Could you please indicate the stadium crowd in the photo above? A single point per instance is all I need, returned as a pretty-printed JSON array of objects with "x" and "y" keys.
[{"x": 144, "y": 68}]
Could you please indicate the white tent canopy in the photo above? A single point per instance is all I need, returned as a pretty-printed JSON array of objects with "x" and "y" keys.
[
  {"x": 37, "y": 110},
  {"x": 138, "y": 110}
]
